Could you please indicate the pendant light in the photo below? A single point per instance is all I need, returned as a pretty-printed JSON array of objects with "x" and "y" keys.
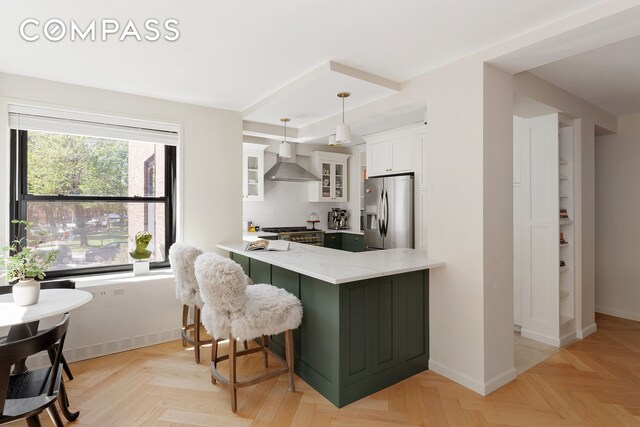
[
  {"x": 343, "y": 132},
  {"x": 285, "y": 147}
]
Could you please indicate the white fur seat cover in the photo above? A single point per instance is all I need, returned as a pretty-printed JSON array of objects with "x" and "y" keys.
[
  {"x": 233, "y": 308},
  {"x": 182, "y": 258}
]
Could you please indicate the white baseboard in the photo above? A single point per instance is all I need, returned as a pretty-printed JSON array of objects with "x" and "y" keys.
[
  {"x": 568, "y": 339},
  {"x": 540, "y": 337},
  {"x": 471, "y": 383},
  {"x": 563, "y": 341},
  {"x": 585, "y": 332},
  {"x": 517, "y": 328},
  {"x": 618, "y": 313},
  {"x": 103, "y": 349},
  {"x": 499, "y": 380}
]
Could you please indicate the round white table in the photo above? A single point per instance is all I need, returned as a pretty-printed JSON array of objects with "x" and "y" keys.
[{"x": 52, "y": 302}]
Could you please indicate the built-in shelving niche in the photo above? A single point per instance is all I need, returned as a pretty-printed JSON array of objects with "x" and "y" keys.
[{"x": 544, "y": 181}]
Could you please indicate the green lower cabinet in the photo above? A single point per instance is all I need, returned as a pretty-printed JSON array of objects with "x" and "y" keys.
[
  {"x": 356, "y": 338},
  {"x": 344, "y": 241},
  {"x": 352, "y": 242},
  {"x": 333, "y": 240}
]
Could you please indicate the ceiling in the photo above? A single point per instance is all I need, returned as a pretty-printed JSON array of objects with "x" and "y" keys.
[
  {"x": 234, "y": 54},
  {"x": 608, "y": 77},
  {"x": 313, "y": 97}
]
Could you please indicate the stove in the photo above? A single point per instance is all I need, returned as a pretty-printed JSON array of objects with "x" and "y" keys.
[{"x": 298, "y": 235}]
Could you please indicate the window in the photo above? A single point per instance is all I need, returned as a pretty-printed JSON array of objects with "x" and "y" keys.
[{"x": 87, "y": 197}]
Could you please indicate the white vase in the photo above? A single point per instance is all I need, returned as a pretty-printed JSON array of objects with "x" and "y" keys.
[{"x": 26, "y": 292}]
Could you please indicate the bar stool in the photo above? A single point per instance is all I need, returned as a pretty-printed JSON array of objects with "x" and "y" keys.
[
  {"x": 182, "y": 258},
  {"x": 237, "y": 311}
]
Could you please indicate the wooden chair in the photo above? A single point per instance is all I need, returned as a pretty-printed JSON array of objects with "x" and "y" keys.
[
  {"x": 182, "y": 258},
  {"x": 28, "y": 394},
  {"x": 33, "y": 326},
  {"x": 236, "y": 311}
]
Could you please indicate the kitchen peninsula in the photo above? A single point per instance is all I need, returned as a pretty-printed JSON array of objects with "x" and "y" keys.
[{"x": 366, "y": 315}]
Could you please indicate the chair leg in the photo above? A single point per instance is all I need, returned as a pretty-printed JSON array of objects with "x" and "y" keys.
[
  {"x": 214, "y": 356},
  {"x": 55, "y": 417},
  {"x": 265, "y": 344},
  {"x": 63, "y": 400},
  {"x": 33, "y": 421},
  {"x": 196, "y": 333},
  {"x": 185, "y": 320},
  {"x": 66, "y": 368},
  {"x": 232, "y": 373},
  {"x": 288, "y": 338}
]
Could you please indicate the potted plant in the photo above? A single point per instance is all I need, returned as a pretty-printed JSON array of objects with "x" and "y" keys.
[{"x": 24, "y": 264}]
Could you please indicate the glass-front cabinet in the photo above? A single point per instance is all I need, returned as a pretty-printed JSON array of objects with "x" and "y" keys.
[
  {"x": 253, "y": 172},
  {"x": 331, "y": 168}
]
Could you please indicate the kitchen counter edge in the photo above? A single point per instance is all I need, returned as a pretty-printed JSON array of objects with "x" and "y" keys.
[{"x": 235, "y": 247}]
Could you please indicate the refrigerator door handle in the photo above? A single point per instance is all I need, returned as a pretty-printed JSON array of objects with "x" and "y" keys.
[
  {"x": 386, "y": 212},
  {"x": 380, "y": 214}
]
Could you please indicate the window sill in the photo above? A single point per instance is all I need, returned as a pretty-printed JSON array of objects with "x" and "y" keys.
[{"x": 119, "y": 278}]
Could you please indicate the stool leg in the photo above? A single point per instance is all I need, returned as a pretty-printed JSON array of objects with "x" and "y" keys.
[
  {"x": 196, "y": 333},
  {"x": 288, "y": 338},
  {"x": 214, "y": 357},
  {"x": 232, "y": 373},
  {"x": 265, "y": 344},
  {"x": 185, "y": 319}
]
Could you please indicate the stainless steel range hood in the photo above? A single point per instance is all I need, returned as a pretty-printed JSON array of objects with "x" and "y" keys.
[{"x": 287, "y": 171}]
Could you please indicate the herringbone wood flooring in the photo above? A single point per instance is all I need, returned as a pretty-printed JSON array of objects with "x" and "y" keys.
[{"x": 595, "y": 381}]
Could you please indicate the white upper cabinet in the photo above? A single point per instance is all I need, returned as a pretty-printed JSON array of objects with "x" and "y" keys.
[
  {"x": 390, "y": 155},
  {"x": 331, "y": 168},
  {"x": 253, "y": 172}
]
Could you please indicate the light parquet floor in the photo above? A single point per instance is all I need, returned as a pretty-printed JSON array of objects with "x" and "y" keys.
[{"x": 594, "y": 382}]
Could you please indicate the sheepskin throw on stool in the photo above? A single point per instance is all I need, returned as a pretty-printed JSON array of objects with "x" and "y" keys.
[
  {"x": 232, "y": 307},
  {"x": 182, "y": 258}
]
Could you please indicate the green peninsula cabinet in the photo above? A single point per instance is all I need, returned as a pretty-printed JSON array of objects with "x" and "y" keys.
[{"x": 356, "y": 337}]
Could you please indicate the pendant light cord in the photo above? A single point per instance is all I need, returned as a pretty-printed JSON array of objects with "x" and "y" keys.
[{"x": 343, "y": 110}]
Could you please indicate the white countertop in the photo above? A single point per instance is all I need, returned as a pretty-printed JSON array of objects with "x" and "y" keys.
[{"x": 335, "y": 266}]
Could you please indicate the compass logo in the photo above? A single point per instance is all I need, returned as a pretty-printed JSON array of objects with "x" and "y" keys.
[{"x": 55, "y": 30}]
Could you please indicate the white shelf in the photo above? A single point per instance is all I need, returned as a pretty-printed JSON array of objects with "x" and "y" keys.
[
  {"x": 564, "y": 294},
  {"x": 564, "y": 245},
  {"x": 565, "y": 221},
  {"x": 563, "y": 162},
  {"x": 563, "y": 269},
  {"x": 564, "y": 196},
  {"x": 564, "y": 177}
]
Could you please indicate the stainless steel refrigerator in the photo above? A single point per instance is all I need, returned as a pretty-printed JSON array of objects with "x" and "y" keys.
[{"x": 388, "y": 212}]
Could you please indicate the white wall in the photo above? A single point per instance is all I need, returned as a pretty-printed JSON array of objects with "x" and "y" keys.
[
  {"x": 617, "y": 220},
  {"x": 498, "y": 225},
  {"x": 210, "y": 152},
  {"x": 210, "y": 208}
]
